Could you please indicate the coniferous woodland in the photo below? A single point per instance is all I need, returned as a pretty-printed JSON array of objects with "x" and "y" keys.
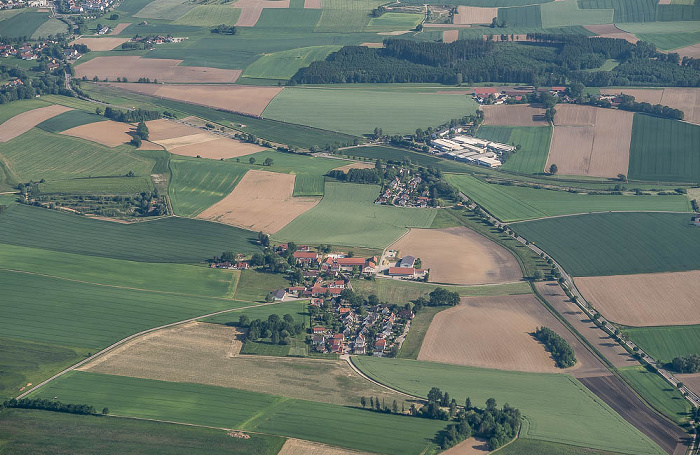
[{"x": 542, "y": 60}]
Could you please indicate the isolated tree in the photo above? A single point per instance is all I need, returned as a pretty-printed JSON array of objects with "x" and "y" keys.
[
  {"x": 268, "y": 162},
  {"x": 251, "y": 160},
  {"x": 468, "y": 404},
  {"x": 105, "y": 411},
  {"x": 142, "y": 130},
  {"x": 395, "y": 407},
  {"x": 363, "y": 402},
  {"x": 553, "y": 169},
  {"x": 622, "y": 177}
]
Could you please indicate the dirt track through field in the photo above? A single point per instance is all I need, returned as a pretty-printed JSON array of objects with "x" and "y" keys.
[
  {"x": 645, "y": 300},
  {"x": 237, "y": 98},
  {"x": 100, "y": 44},
  {"x": 450, "y": 36},
  {"x": 496, "y": 332},
  {"x": 21, "y": 123},
  {"x": 262, "y": 201},
  {"x": 459, "y": 256},
  {"x": 513, "y": 115},
  {"x": 134, "y": 67},
  {"x": 602, "y": 150},
  {"x": 474, "y": 15},
  {"x": 301, "y": 447},
  {"x": 685, "y": 99},
  {"x": 204, "y": 353},
  {"x": 119, "y": 28},
  {"x": 109, "y": 132}
]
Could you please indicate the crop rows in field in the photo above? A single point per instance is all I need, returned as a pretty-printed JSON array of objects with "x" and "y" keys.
[
  {"x": 617, "y": 243},
  {"x": 231, "y": 408},
  {"x": 665, "y": 343},
  {"x": 567, "y": 13},
  {"x": 210, "y": 16},
  {"x": 534, "y": 142},
  {"x": 523, "y": 16},
  {"x": 284, "y": 64},
  {"x": 625, "y": 10},
  {"x": 68, "y": 120},
  {"x": 22, "y": 24}
]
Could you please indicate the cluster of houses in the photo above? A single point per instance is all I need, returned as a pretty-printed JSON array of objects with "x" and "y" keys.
[
  {"x": 15, "y": 4},
  {"x": 158, "y": 39},
  {"x": 89, "y": 5},
  {"x": 29, "y": 51},
  {"x": 470, "y": 149},
  {"x": 499, "y": 95},
  {"x": 406, "y": 269},
  {"x": 375, "y": 332},
  {"x": 402, "y": 192},
  {"x": 334, "y": 263}
]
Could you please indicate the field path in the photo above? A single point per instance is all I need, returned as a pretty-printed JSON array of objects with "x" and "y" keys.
[
  {"x": 605, "y": 211},
  {"x": 348, "y": 359}
]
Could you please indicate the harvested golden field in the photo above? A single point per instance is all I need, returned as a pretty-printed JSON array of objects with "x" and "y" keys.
[
  {"x": 450, "y": 36},
  {"x": 575, "y": 115},
  {"x": 642, "y": 95},
  {"x": 474, "y": 15},
  {"x": 611, "y": 31},
  {"x": 108, "y": 132},
  {"x": 493, "y": 332},
  {"x": 648, "y": 299},
  {"x": 685, "y": 99},
  {"x": 355, "y": 165},
  {"x": 251, "y": 10},
  {"x": 373, "y": 45},
  {"x": 119, "y": 28},
  {"x": 237, "y": 98},
  {"x": 471, "y": 446},
  {"x": 262, "y": 201},
  {"x": 21, "y": 123},
  {"x": 164, "y": 70},
  {"x": 459, "y": 256},
  {"x": 301, "y": 447},
  {"x": 513, "y": 115},
  {"x": 163, "y": 129},
  {"x": 100, "y": 44},
  {"x": 204, "y": 353},
  {"x": 602, "y": 150}
]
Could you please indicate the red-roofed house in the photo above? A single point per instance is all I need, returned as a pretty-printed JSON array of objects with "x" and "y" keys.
[
  {"x": 319, "y": 329},
  {"x": 485, "y": 91},
  {"x": 305, "y": 257},
  {"x": 379, "y": 346},
  {"x": 402, "y": 271}
]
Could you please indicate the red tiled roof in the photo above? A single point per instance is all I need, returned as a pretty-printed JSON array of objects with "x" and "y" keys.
[
  {"x": 401, "y": 271},
  {"x": 351, "y": 261},
  {"x": 305, "y": 255},
  {"x": 485, "y": 90}
]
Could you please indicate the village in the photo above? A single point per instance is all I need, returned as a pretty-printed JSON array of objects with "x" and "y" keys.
[
  {"x": 403, "y": 191},
  {"x": 341, "y": 321}
]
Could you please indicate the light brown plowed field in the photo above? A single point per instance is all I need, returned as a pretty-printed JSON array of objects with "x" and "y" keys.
[
  {"x": 513, "y": 115},
  {"x": 373, "y": 45},
  {"x": 251, "y": 10},
  {"x": 685, "y": 99},
  {"x": 471, "y": 446},
  {"x": 459, "y": 256},
  {"x": 262, "y": 201},
  {"x": 602, "y": 150},
  {"x": 109, "y": 132},
  {"x": 692, "y": 51},
  {"x": 692, "y": 381},
  {"x": 312, "y": 4},
  {"x": 238, "y": 98},
  {"x": 450, "y": 36},
  {"x": 100, "y": 44},
  {"x": 207, "y": 354},
  {"x": 163, "y": 129},
  {"x": 119, "y": 28},
  {"x": 575, "y": 115},
  {"x": 355, "y": 165},
  {"x": 21, "y": 123},
  {"x": 492, "y": 332},
  {"x": 611, "y": 31},
  {"x": 474, "y": 15},
  {"x": 648, "y": 299},
  {"x": 165, "y": 70},
  {"x": 301, "y": 447}
]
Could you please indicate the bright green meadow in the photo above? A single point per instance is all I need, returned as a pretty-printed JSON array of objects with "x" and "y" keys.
[
  {"x": 665, "y": 343},
  {"x": 658, "y": 392},
  {"x": 285, "y": 64},
  {"x": 533, "y": 140}
]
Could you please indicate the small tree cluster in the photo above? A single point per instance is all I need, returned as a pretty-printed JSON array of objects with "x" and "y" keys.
[
  {"x": 562, "y": 352},
  {"x": 686, "y": 363},
  {"x": 49, "y": 405},
  {"x": 279, "y": 330}
]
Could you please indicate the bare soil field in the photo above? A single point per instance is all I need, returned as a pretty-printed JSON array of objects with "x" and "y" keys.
[
  {"x": 602, "y": 150},
  {"x": 575, "y": 115},
  {"x": 162, "y": 129},
  {"x": 373, "y": 45},
  {"x": 685, "y": 99},
  {"x": 450, "y": 36},
  {"x": 611, "y": 31},
  {"x": 100, "y": 44},
  {"x": 692, "y": 381},
  {"x": 109, "y": 133},
  {"x": 21, "y": 123},
  {"x": 119, "y": 28},
  {"x": 513, "y": 115},
  {"x": 301, "y": 447},
  {"x": 251, "y": 10},
  {"x": 262, "y": 201},
  {"x": 608, "y": 347},
  {"x": 237, "y": 98},
  {"x": 355, "y": 165},
  {"x": 204, "y": 353},
  {"x": 644, "y": 300},
  {"x": 492, "y": 332},
  {"x": 459, "y": 256},
  {"x": 692, "y": 51},
  {"x": 474, "y": 15},
  {"x": 471, "y": 446},
  {"x": 164, "y": 70},
  {"x": 312, "y": 4}
]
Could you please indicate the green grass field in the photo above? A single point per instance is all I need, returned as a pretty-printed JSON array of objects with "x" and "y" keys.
[
  {"x": 254, "y": 286},
  {"x": 30, "y": 432},
  {"x": 99, "y": 185},
  {"x": 23, "y": 24},
  {"x": 617, "y": 243},
  {"x": 567, "y": 13},
  {"x": 285, "y": 64},
  {"x": 51, "y": 27},
  {"x": 200, "y": 183},
  {"x": 359, "y": 111},
  {"x": 514, "y": 203},
  {"x": 168, "y": 278},
  {"x": 663, "y": 149},
  {"x": 665, "y": 35},
  {"x": 625, "y": 10},
  {"x": 678, "y": 12},
  {"x": 231, "y": 408},
  {"x": 659, "y": 393},
  {"x": 665, "y": 343},
  {"x": 394, "y": 21},
  {"x": 167, "y": 240},
  {"x": 347, "y": 215},
  {"x": 288, "y": 18},
  {"x": 402, "y": 292},
  {"x": 521, "y": 16},
  {"x": 74, "y": 314},
  {"x": 534, "y": 143},
  {"x": 345, "y": 17},
  {"x": 210, "y": 16},
  {"x": 68, "y": 120},
  {"x": 296, "y": 308},
  {"x": 9, "y": 110},
  {"x": 546, "y": 401},
  {"x": 37, "y": 154},
  {"x": 523, "y": 446},
  {"x": 165, "y": 9}
]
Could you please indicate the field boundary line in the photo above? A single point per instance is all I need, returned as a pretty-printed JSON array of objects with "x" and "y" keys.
[
  {"x": 348, "y": 359},
  {"x": 595, "y": 213},
  {"x": 132, "y": 337}
]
